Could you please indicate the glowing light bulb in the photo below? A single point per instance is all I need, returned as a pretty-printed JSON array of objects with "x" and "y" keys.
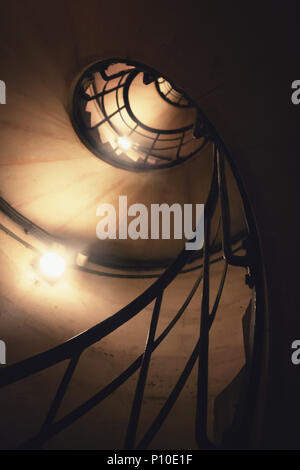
[
  {"x": 124, "y": 143},
  {"x": 52, "y": 265}
]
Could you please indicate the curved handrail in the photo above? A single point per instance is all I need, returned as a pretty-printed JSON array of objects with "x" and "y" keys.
[
  {"x": 80, "y": 342},
  {"x": 155, "y": 135},
  {"x": 65, "y": 350},
  {"x": 72, "y": 349},
  {"x": 84, "y": 408}
]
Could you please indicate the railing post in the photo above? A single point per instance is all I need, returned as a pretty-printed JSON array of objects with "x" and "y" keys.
[
  {"x": 202, "y": 381},
  {"x": 140, "y": 387}
]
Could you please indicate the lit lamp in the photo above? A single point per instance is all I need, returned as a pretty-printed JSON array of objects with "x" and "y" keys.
[
  {"x": 52, "y": 265},
  {"x": 124, "y": 143}
]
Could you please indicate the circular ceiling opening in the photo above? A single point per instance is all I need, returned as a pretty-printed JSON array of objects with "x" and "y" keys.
[{"x": 132, "y": 117}]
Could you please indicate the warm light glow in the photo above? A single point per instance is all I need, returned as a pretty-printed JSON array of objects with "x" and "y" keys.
[
  {"x": 52, "y": 265},
  {"x": 124, "y": 143}
]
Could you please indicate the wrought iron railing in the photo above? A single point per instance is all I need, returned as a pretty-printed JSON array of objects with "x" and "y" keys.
[
  {"x": 151, "y": 148},
  {"x": 71, "y": 350},
  {"x": 167, "y": 91}
]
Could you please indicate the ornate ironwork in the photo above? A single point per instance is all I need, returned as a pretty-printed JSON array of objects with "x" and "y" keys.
[{"x": 109, "y": 92}]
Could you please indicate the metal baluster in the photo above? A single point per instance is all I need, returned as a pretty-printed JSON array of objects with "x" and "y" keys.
[
  {"x": 59, "y": 396},
  {"x": 140, "y": 387},
  {"x": 202, "y": 381},
  {"x": 180, "y": 146},
  {"x": 225, "y": 215}
]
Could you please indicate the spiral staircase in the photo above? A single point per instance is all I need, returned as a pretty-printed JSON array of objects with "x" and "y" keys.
[{"x": 107, "y": 357}]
